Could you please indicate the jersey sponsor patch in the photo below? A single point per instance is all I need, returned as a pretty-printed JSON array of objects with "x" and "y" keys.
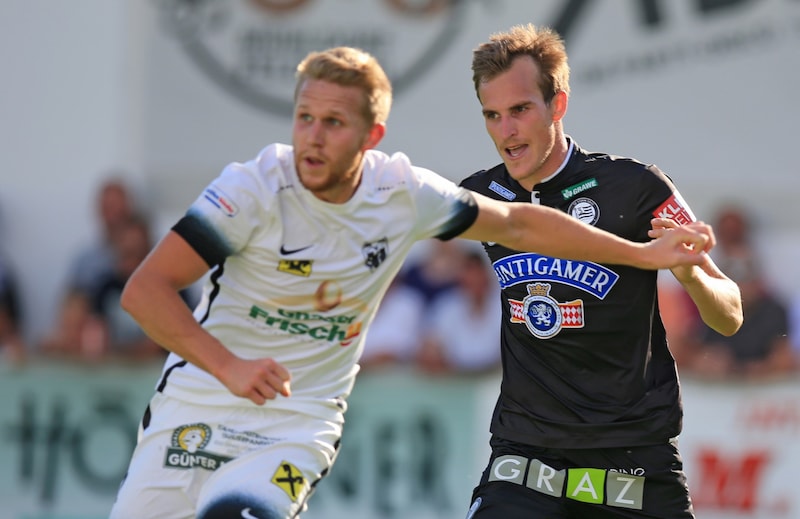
[
  {"x": 530, "y": 268},
  {"x": 295, "y": 267},
  {"x": 220, "y": 200},
  {"x": 584, "y": 484},
  {"x": 577, "y": 189},
  {"x": 543, "y": 315},
  {"x": 341, "y": 329},
  {"x": 502, "y": 191},
  {"x": 186, "y": 449},
  {"x": 675, "y": 208},
  {"x": 288, "y": 478},
  {"x": 327, "y": 296}
]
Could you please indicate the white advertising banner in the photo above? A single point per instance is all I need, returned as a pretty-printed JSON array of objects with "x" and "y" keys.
[{"x": 741, "y": 449}]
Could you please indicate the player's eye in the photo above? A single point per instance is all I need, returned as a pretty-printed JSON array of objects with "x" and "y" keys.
[{"x": 520, "y": 109}]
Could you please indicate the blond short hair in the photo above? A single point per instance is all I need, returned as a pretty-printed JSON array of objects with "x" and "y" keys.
[{"x": 348, "y": 66}]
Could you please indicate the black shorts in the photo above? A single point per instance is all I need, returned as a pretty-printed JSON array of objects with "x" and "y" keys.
[{"x": 524, "y": 482}]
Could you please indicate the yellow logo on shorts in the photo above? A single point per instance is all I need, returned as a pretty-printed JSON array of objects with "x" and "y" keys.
[
  {"x": 289, "y": 479},
  {"x": 191, "y": 438}
]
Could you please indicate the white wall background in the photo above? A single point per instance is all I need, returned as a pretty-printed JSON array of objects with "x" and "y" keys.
[{"x": 91, "y": 86}]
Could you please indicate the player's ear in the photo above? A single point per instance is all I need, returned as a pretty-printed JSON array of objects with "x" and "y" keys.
[
  {"x": 559, "y": 105},
  {"x": 374, "y": 136}
]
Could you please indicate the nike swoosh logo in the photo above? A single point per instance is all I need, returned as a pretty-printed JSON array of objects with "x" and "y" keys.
[
  {"x": 287, "y": 252},
  {"x": 247, "y": 515}
]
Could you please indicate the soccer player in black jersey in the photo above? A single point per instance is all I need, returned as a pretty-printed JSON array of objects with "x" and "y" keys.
[{"x": 589, "y": 408}]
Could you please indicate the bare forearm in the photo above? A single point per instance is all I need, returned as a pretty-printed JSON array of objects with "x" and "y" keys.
[
  {"x": 548, "y": 231},
  {"x": 166, "y": 318},
  {"x": 560, "y": 235},
  {"x": 717, "y": 299}
]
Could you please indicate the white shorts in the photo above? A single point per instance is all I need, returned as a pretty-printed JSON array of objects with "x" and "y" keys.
[{"x": 194, "y": 461}]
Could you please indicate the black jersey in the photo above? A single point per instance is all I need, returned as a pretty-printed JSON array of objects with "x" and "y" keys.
[{"x": 584, "y": 351}]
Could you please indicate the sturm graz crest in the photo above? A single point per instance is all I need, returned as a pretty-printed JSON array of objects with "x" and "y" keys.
[
  {"x": 252, "y": 47},
  {"x": 375, "y": 253}
]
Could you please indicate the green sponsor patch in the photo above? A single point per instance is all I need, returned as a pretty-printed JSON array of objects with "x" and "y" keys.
[
  {"x": 571, "y": 191},
  {"x": 181, "y": 459},
  {"x": 586, "y": 485}
]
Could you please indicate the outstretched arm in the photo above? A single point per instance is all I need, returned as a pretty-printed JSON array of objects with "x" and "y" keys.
[
  {"x": 535, "y": 228},
  {"x": 152, "y": 297},
  {"x": 716, "y": 296}
]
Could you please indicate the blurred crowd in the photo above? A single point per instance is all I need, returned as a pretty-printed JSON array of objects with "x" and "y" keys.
[
  {"x": 90, "y": 324},
  {"x": 768, "y": 343},
  {"x": 440, "y": 316}
]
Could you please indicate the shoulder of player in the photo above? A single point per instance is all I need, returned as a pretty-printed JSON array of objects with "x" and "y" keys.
[
  {"x": 480, "y": 180},
  {"x": 268, "y": 173},
  {"x": 392, "y": 173},
  {"x": 606, "y": 163}
]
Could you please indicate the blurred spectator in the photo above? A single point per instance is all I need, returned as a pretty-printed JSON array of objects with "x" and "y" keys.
[
  {"x": 12, "y": 346},
  {"x": 761, "y": 347},
  {"x": 92, "y": 324},
  {"x": 461, "y": 332},
  {"x": 732, "y": 228},
  {"x": 394, "y": 335},
  {"x": 76, "y": 333},
  {"x": 71, "y": 334},
  {"x": 794, "y": 326},
  {"x": 431, "y": 272},
  {"x": 114, "y": 207},
  {"x": 113, "y": 330},
  {"x": 679, "y": 315}
]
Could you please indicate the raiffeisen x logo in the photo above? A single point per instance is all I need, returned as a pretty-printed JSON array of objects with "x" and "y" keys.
[{"x": 290, "y": 480}]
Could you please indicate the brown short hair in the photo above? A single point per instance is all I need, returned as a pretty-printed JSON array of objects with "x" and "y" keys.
[
  {"x": 542, "y": 44},
  {"x": 348, "y": 66}
]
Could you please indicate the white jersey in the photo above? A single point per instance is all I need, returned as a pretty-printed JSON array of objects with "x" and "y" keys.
[{"x": 298, "y": 279}]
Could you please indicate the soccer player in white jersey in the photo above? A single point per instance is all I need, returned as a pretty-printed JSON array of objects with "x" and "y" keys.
[{"x": 302, "y": 242}]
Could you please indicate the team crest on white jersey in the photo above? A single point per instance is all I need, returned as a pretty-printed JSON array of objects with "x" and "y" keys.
[
  {"x": 375, "y": 253},
  {"x": 543, "y": 315}
]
